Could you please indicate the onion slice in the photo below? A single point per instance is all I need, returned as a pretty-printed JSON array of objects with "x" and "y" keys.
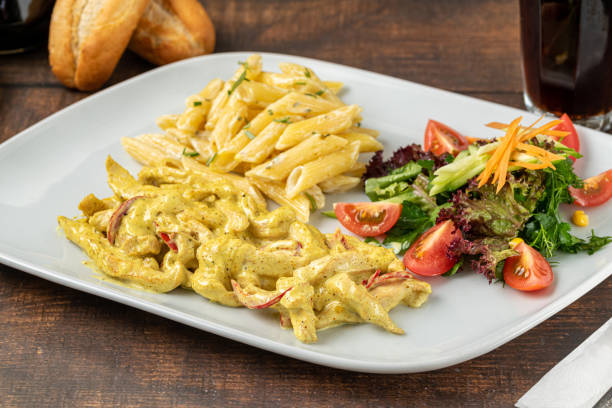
[{"x": 115, "y": 220}]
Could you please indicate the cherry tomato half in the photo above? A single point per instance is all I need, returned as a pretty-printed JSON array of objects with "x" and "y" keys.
[
  {"x": 571, "y": 140},
  {"x": 597, "y": 190},
  {"x": 368, "y": 219},
  {"x": 428, "y": 255},
  {"x": 440, "y": 139},
  {"x": 527, "y": 271}
]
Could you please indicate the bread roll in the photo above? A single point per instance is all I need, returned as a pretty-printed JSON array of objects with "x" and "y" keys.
[
  {"x": 87, "y": 38},
  {"x": 171, "y": 30}
]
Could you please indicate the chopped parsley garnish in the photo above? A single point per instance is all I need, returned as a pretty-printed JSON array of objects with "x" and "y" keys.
[
  {"x": 241, "y": 78},
  {"x": 283, "y": 120},
  {"x": 211, "y": 159},
  {"x": 307, "y": 73},
  {"x": 190, "y": 154},
  {"x": 197, "y": 103},
  {"x": 320, "y": 92},
  {"x": 299, "y": 83},
  {"x": 313, "y": 203},
  {"x": 270, "y": 112},
  {"x": 249, "y": 134},
  {"x": 313, "y": 95}
]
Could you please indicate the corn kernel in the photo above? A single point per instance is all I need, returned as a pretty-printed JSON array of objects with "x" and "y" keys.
[
  {"x": 515, "y": 242},
  {"x": 580, "y": 218}
]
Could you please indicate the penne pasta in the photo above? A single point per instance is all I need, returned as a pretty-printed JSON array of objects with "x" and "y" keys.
[
  {"x": 165, "y": 122},
  {"x": 287, "y": 131},
  {"x": 210, "y": 91},
  {"x": 276, "y": 192},
  {"x": 262, "y": 146},
  {"x": 190, "y": 120},
  {"x": 205, "y": 97},
  {"x": 357, "y": 170},
  {"x": 334, "y": 86},
  {"x": 315, "y": 197},
  {"x": 247, "y": 71},
  {"x": 307, "y": 175},
  {"x": 142, "y": 151},
  {"x": 202, "y": 144},
  {"x": 157, "y": 145},
  {"x": 292, "y": 103},
  {"x": 359, "y": 129},
  {"x": 259, "y": 94},
  {"x": 368, "y": 143},
  {"x": 311, "y": 78},
  {"x": 339, "y": 183},
  {"x": 332, "y": 122},
  {"x": 231, "y": 120},
  {"x": 310, "y": 149}
]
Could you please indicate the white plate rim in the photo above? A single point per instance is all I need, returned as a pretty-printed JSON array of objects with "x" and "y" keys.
[{"x": 488, "y": 343}]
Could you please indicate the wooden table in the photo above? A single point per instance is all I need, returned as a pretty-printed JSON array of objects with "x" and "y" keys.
[{"x": 60, "y": 347}]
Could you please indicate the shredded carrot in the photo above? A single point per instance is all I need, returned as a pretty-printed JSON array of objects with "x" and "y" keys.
[
  {"x": 530, "y": 166},
  {"x": 543, "y": 128},
  {"x": 511, "y": 145},
  {"x": 548, "y": 132},
  {"x": 494, "y": 160},
  {"x": 539, "y": 152}
]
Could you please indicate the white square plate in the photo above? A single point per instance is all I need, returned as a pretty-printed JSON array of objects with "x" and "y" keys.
[{"x": 48, "y": 168}]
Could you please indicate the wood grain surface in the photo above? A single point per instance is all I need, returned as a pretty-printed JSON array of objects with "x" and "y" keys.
[{"x": 60, "y": 347}]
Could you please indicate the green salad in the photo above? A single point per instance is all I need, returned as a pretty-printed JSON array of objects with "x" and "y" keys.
[{"x": 492, "y": 205}]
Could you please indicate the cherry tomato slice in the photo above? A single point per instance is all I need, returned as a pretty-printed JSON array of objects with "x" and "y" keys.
[
  {"x": 428, "y": 255},
  {"x": 440, "y": 139},
  {"x": 169, "y": 241},
  {"x": 368, "y": 219},
  {"x": 571, "y": 140},
  {"x": 596, "y": 191},
  {"x": 527, "y": 271}
]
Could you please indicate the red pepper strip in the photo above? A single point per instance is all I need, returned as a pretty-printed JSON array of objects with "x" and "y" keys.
[
  {"x": 252, "y": 301},
  {"x": 115, "y": 220},
  {"x": 368, "y": 282},
  {"x": 340, "y": 237},
  {"x": 169, "y": 241},
  {"x": 383, "y": 279}
]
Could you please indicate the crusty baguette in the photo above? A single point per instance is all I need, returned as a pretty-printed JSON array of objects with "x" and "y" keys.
[
  {"x": 171, "y": 30},
  {"x": 87, "y": 38}
]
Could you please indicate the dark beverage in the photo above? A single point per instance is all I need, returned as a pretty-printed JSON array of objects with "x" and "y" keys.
[
  {"x": 567, "y": 56},
  {"x": 24, "y": 24}
]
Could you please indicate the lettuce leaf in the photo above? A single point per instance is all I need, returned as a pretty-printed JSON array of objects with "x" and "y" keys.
[
  {"x": 481, "y": 212},
  {"x": 484, "y": 255},
  {"x": 488, "y": 220},
  {"x": 392, "y": 184}
]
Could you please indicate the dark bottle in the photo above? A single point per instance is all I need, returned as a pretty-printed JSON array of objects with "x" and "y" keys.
[
  {"x": 24, "y": 24},
  {"x": 567, "y": 56}
]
